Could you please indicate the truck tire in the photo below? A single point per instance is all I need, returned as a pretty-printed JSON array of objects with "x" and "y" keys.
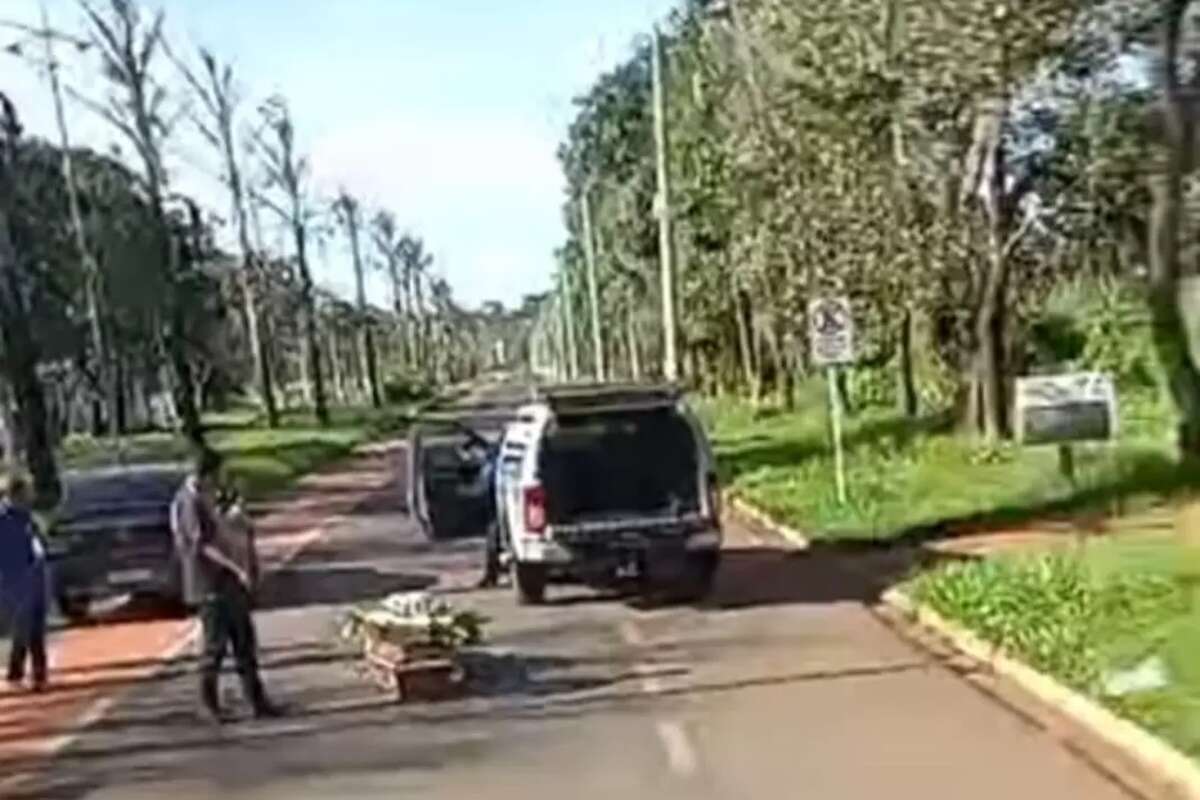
[
  {"x": 529, "y": 581},
  {"x": 697, "y": 580}
]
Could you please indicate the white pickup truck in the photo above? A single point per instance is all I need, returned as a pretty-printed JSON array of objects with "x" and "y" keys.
[{"x": 601, "y": 484}]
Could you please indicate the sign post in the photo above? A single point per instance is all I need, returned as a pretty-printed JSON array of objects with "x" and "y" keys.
[
  {"x": 831, "y": 339},
  {"x": 1066, "y": 409}
]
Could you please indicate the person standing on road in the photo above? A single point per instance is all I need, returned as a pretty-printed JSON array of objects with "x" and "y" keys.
[
  {"x": 240, "y": 535},
  {"x": 22, "y": 581},
  {"x": 219, "y": 587},
  {"x": 480, "y": 456}
]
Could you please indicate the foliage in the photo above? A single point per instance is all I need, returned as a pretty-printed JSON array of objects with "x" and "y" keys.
[
  {"x": 846, "y": 147},
  {"x": 1086, "y": 615},
  {"x": 436, "y": 624},
  {"x": 1097, "y": 325},
  {"x": 1051, "y": 611},
  {"x": 405, "y": 389},
  {"x": 261, "y": 460},
  {"x": 908, "y": 476},
  {"x": 182, "y": 323}
]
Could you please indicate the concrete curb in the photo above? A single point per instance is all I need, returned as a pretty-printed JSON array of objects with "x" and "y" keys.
[
  {"x": 1176, "y": 770},
  {"x": 1173, "y": 767},
  {"x": 741, "y": 508}
]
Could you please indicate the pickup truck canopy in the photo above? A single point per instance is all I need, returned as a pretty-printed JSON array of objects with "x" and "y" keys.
[{"x": 606, "y": 464}]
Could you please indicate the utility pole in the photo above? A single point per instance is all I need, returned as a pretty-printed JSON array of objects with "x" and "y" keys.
[
  {"x": 93, "y": 278},
  {"x": 560, "y": 338},
  {"x": 589, "y": 248},
  {"x": 663, "y": 211},
  {"x": 569, "y": 323}
]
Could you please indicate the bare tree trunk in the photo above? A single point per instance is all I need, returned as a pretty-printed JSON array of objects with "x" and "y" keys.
[
  {"x": 410, "y": 322},
  {"x": 335, "y": 366},
  {"x": 21, "y": 359},
  {"x": 302, "y": 368},
  {"x": 1171, "y": 335},
  {"x": 93, "y": 277},
  {"x": 262, "y": 360},
  {"x": 764, "y": 377},
  {"x": 121, "y": 410},
  {"x": 311, "y": 332},
  {"x": 635, "y": 355},
  {"x": 599, "y": 366},
  {"x": 987, "y": 180},
  {"x": 745, "y": 336},
  {"x": 906, "y": 384},
  {"x": 370, "y": 367},
  {"x": 9, "y": 447}
]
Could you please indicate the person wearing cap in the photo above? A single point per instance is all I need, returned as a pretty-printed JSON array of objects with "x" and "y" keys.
[{"x": 219, "y": 587}]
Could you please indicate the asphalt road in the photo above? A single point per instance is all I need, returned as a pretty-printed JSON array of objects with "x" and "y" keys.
[{"x": 784, "y": 685}]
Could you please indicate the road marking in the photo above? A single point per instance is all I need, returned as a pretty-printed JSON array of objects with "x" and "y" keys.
[
  {"x": 632, "y": 634},
  {"x": 681, "y": 756}
]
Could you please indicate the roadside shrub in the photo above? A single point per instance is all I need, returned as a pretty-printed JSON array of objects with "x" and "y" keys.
[
  {"x": 1052, "y": 612},
  {"x": 1100, "y": 325},
  {"x": 872, "y": 387},
  {"x": 399, "y": 389}
]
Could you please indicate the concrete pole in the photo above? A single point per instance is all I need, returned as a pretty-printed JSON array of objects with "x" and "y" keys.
[
  {"x": 589, "y": 248},
  {"x": 569, "y": 322},
  {"x": 663, "y": 210}
]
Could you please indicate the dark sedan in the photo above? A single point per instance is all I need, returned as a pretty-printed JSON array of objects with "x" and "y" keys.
[{"x": 112, "y": 537}]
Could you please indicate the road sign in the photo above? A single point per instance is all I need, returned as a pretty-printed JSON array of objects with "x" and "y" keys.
[
  {"x": 1059, "y": 409},
  {"x": 831, "y": 331}
]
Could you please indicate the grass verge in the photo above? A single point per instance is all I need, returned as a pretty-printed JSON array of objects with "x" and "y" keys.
[
  {"x": 908, "y": 475},
  {"x": 1086, "y": 615},
  {"x": 261, "y": 460}
]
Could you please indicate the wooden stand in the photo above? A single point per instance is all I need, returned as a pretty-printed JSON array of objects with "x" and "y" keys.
[{"x": 414, "y": 671}]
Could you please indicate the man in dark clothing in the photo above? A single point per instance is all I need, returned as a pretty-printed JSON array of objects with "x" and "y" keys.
[
  {"x": 478, "y": 457},
  {"x": 22, "y": 581},
  {"x": 219, "y": 587}
]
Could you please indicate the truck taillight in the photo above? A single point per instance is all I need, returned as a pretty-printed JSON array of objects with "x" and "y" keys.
[
  {"x": 714, "y": 498},
  {"x": 535, "y": 509}
]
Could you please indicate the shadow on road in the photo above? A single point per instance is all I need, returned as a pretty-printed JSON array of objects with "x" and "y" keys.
[
  {"x": 317, "y": 585},
  {"x": 821, "y": 574},
  {"x": 542, "y": 675}
]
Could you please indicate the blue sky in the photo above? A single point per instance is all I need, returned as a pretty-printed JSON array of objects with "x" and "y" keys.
[{"x": 446, "y": 111}]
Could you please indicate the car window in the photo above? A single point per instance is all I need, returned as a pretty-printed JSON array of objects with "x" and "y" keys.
[{"x": 114, "y": 492}]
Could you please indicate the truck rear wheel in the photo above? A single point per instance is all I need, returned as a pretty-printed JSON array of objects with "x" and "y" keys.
[
  {"x": 698, "y": 576},
  {"x": 529, "y": 581}
]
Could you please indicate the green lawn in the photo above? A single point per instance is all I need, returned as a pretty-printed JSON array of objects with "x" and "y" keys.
[
  {"x": 260, "y": 459},
  {"x": 908, "y": 475},
  {"x": 1081, "y": 616}
]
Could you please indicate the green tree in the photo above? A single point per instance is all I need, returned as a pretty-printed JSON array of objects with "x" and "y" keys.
[
  {"x": 19, "y": 352},
  {"x": 128, "y": 45}
]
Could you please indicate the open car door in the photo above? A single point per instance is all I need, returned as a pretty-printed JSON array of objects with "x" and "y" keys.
[
  {"x": 450, "y": 489},
  {"x": 414, "y": 489}
]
